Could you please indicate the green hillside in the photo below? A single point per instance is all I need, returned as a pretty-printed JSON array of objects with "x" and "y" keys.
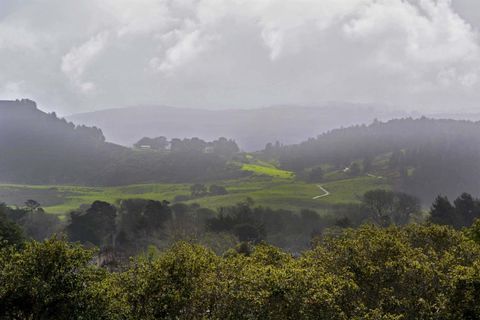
[{"x": 268, "y": 186}]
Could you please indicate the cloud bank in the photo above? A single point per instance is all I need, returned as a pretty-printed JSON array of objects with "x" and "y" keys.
[{"x": 82, "y": 55}]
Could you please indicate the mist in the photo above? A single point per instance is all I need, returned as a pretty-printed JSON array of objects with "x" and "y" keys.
[{"x": 252, "y": 129}]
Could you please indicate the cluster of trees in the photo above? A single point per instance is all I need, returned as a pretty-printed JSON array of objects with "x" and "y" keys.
[
  {"x": 40, "y": 148},
  {"x": 136, "y": 223},
  {"x": 412, "y": 272},
  {"x": 130, "y": 228},
  {"x": 387, "y": 207},
  {"x": 316, "y": 174},
  {"x": 201, "y": 190},
  {"x": 221, "y": 146},
  {"x": 158, "y": 143},
  {"x": 431, "y": 156},
  {"x": 463, "y": 212},
  {"x": 132, "y": 225},
  {"x": 27, "y": 222},
  {"x": 289, "y": 230},
  {"x": 379, "y": 207}
]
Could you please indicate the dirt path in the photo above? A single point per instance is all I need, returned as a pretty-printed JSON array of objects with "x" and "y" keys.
[
  {"x": 325, "y": 193},
  {"x": 373, "y": 176}
]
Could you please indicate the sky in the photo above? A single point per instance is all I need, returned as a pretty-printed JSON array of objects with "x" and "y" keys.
[{"x": 73, "y": 56}]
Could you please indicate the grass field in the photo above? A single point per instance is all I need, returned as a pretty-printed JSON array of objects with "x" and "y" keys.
[
  {"x": 61, "y": 199},
  {"x": 267, "y": 186},
  {"x": 276, "y": 189}
]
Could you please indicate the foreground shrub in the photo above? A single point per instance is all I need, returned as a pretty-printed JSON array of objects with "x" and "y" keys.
[
  {"x": 51, "y": 280},
  {"x": 414, "y": 272},
  {"x": 177, "y": 284}
]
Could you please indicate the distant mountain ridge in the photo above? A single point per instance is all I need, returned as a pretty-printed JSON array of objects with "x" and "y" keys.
[{"x": 252, "y": 129}]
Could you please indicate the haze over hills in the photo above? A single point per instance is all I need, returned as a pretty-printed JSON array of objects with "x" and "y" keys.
[
  {"x": 252, "y": 129},
  {"x": 39, "y": 148},
  {"x": 474, "y": 116},
  {"x": 422, "y": 156},
  {"x": 426, "y": 157}
]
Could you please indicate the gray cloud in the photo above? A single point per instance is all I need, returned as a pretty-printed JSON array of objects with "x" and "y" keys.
[{"x": 89, "y": 54}]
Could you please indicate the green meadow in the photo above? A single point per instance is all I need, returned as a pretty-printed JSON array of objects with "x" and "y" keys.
[
  {"x": 266, "y": 186},
  {"x": 263, "y": 190}
]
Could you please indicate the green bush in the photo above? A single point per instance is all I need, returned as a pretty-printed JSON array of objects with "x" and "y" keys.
[{"x": 412, "y": 272}]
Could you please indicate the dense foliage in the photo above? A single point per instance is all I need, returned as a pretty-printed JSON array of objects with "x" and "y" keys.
[
  {"x": 413, "y": 272},
  {"x": 194, "y": 263},
  {"x": 50, "y": 280}
]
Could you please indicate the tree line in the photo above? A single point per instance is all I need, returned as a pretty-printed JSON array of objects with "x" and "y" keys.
[
  {"x": 222, "y": 146},
  {"x": 130, "y": 226}
]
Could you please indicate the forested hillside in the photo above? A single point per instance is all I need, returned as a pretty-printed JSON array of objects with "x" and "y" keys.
[
  {"x": 425, "y": 157},
  {"x": 40, "y": 148}
]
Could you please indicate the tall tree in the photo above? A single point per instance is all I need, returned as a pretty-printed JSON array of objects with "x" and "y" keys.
[
  {"x": 10, "y": 232},
  {"x": 443, "y": 212},
  {"x": 467, "y": 209},
  {"x": 95, "y": 225}
]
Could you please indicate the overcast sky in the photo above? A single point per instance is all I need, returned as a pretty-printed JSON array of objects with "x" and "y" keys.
[{"x": 80, "y": 55}]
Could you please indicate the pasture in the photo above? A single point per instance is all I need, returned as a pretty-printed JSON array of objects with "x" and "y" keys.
[{"x": 266, "y": 190}]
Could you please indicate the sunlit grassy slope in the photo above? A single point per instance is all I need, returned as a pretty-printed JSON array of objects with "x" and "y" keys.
[
  {"x": 267, "y": 191},
  {"x": 262, "y": 170},
  {"x": 267, "y": 186},
  {"x": 61, "y": 199}
]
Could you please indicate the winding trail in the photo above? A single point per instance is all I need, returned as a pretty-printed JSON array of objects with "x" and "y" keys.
[{"x": 325, "y": 193}]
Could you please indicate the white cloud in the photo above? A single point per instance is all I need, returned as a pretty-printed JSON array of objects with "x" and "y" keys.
[
  {"x": 78, "y": 58},
  {"x": 187, "y": 47},
  {"x": 224, "y": 53},
  {"x": 136, "y": 17}
]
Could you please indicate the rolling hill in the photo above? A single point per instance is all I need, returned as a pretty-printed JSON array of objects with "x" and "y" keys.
[
  {"x": 425, "y": 157},
  {"x": 251, "y": 128},
  {"x": 40, "y": 148}
]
